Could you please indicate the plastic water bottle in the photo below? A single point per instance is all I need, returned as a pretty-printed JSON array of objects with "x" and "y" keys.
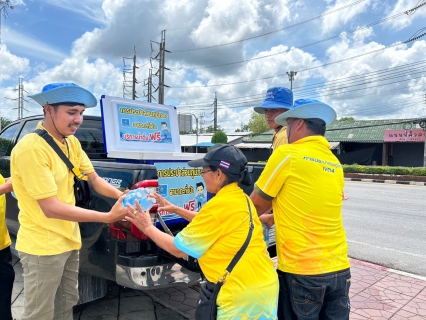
[{"x": 139, "y": 194}]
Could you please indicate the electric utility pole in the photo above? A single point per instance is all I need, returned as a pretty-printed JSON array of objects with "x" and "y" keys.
[
  {"x": 215, "y": 113},
  {"x": 148, "y": 83},
  {"x": 291, "y": 76},
  {"x": 20, "y": 99},
  {"x": 162, "y": 56},
  {"x": 134, "y": 81}
]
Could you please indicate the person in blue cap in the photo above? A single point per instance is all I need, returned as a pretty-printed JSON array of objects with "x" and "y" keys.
[
  {"x": 48, "y": 239},
  {"x": 303, "y": 183},
  {"x": 277, "y": 101}
]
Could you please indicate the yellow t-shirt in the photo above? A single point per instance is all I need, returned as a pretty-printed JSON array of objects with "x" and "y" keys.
[
  {"x": 4, "y": 234},
  {"x": 39, "y": 173},
  {"x": 305, "y": 181},
  {"x": 214, "y": 236},
  {"x": 280, "y": 138}
]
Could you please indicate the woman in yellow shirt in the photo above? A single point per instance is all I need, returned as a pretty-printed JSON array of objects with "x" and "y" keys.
[{"x": 216, "y": 233}]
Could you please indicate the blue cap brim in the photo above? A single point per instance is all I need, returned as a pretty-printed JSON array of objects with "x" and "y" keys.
[
  {"x": 309, "y": 111},
  {"x": 271, "y": 105},
  {"x": 75, "y": 94}
]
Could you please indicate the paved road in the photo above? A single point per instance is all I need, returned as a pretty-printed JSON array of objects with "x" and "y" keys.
[{"x": 386, "y": 224}]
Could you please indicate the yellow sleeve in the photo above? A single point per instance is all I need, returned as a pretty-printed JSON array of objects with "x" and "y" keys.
[{"x": 276, "y": 171}]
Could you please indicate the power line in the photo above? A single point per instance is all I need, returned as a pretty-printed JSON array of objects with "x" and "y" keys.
[
  {"x": 299, "y": 47},
  {"x": 306, "y": 69},
  {"x": 306, "y": 89},
  {"x": 252, "y": 103},
  {"x": 275, "y": 31}
]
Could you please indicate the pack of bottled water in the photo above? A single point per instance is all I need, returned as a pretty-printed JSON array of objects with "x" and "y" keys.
[{"x": 141, "y": 194}]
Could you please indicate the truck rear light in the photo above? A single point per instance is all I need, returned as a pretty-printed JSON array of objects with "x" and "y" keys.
[
  {"x": 149, "y": 184},
  {"x": 139, "y": 234},
  {"x": 116, "y": 232},
  {"x": 126, "y": 231}
]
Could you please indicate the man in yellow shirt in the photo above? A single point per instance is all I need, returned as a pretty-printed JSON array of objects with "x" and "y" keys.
[
  {"x": 7, "y": 274},
  {"x": 48, "y": 239},
  {"x": 277, "y": 101},
  {"x": 303, "y": 182}
]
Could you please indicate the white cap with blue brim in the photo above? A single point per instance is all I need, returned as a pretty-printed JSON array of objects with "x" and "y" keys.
[
  {"x": 65, "y": 92},
  {"x": 308, "y": 109}
]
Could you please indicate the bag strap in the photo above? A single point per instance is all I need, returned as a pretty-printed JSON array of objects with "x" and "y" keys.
[
  {"x": 242, "y": 249},
  {"x": 43, "y": 133}
]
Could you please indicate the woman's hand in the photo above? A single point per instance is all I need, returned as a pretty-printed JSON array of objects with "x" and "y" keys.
[
  {"x": 267, "y": 219},
  {"x": 141, "y": 219},
  {"x": 163, "y": 204}
]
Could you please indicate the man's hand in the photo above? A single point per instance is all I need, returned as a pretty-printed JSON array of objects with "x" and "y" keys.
[{"x": 118, "y": 211}]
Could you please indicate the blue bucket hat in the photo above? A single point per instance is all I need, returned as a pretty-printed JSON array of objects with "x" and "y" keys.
[
  {"x": 308, "y": 109},
  {"x": 276, "y": 98},
  {"x": 65, "y": 92}
]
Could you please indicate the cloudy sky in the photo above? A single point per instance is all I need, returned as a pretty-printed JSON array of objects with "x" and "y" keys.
[{"x": 357, "y": 55}]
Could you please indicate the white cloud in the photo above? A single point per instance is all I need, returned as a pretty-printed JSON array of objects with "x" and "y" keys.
[
  {"x": 335, "y": 21},
  {"x": 231, "y": 113},
  {"x": 90, "y": 9},
  {"x": 33, "y": 47},
  {"x": 11, "y": 65},
  {"x": 373, "y": 89},
  {"x": 407, "y": 19}
]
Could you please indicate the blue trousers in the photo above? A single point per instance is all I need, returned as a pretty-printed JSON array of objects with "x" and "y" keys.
[
  {"x": 7, "y": 276},
  {"x": 319, "y": 297}
]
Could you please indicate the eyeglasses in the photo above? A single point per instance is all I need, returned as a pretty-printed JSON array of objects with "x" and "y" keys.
[{"x": 202, "y": 173}]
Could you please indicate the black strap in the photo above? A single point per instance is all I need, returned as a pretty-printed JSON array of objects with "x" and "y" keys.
[
  {"x": 43, "y": 133},
  {"x": 243, "y": 248}
]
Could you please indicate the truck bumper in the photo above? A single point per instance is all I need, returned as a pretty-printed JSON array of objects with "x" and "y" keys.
[{"x": 150, "y": 274}]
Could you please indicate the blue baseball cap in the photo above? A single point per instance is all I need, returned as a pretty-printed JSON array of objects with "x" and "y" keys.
[
  {"x": 65, "y": 92},
  {"x": 227, "y": 158},
  {"x": 276, "y": 98},
  {"x": 308, "y": 109}
]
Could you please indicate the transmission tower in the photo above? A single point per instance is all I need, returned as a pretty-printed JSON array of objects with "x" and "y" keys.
[
  {"x": 148, "y": 83},
  {"x": 127, "y": 71},
  {"x": 215, "y": 113},
  {"x": 20, "y": 99},
  {"x": 161, "y": 57}
]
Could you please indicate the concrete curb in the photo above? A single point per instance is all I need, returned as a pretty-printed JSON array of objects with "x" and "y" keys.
[
  {"x": 416, "y": 183},
  {"x": 376, "y": 266}
]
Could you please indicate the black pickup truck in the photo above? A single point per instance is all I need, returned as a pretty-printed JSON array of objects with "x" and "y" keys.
[{"x": 116, "y": 251}]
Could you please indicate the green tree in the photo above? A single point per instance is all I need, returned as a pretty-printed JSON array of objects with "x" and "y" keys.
[
  {"x": 347, "y": 119},
  {"x": 219, "y": 137},
  {"x": 210, "y": 129},
  {"x": 257, "y": 123},
  {"x": 4, "y": 122},
  {"x": 243, "y": 128}
]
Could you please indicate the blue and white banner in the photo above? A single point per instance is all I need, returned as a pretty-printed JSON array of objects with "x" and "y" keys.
[{"x": 181, "y": 185}]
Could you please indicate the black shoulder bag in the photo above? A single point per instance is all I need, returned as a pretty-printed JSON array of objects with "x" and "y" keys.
[
  {"x": 82, "y": 190},
  {"x": 206, "y": 308}
]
